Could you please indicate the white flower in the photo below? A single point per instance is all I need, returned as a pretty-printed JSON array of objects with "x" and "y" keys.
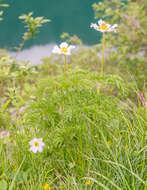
[
  {"x": 64, "y": 49},
  {"x": 103, "y": 27},
  {"x": 36, "y": 145},
  {"x": 4, "y": 134}
]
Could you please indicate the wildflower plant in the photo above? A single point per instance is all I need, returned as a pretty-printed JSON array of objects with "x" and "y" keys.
[
  {"x": 72, "y": 113},
  {"x": 32, "y": 24},
  {"x": 5, "y": 62},
  {"x": 130, "y": 44},
  {"x": 63, "y": 49},
  {"x": 88, "y": 182},
  {"x": 36, "y": 145},
  {"x": 46, "y": 187},
  {"x": 103, "y": 27},
  {"x": 14, "y": 73}
]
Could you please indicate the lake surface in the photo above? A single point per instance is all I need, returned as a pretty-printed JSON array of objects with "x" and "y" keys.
[{"x": 71, "y": 16}]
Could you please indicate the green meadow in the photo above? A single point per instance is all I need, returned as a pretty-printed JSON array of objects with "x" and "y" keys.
[{"x": 78, "y": 121}]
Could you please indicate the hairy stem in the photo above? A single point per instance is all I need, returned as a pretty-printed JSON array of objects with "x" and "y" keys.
[
  {"x": 103, "y": 54},
  {"x": 65, "y": 66}
]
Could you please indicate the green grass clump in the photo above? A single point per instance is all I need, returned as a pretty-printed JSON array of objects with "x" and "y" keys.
[{"x": 89, "y": 134}]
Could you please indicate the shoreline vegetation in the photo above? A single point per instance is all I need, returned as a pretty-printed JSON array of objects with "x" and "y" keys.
[{"x": 78, "y": 121}]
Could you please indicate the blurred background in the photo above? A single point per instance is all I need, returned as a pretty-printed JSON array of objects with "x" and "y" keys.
[{"x": 71, "y": 16}]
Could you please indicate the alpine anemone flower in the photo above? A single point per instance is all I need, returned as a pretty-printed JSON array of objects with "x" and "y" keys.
[
  {"x": 103, "y": 27},
  {"x": 63, "y": 48},
  {"x": 36, "y": 145}
]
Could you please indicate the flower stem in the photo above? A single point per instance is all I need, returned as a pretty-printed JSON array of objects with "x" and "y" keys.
[
  {"x": 103, "y": 53},
  {"x": 20, "y": 48},
  {"x": 65, "y": 66}
]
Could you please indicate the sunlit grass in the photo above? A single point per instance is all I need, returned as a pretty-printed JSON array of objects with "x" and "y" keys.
[
  {"x": 92, "y": 140},
  {"x": 69, "y": 125}
]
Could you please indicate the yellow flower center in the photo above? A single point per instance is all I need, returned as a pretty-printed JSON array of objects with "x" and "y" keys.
[
  {"x": 64, "y": 50},
  {"x": 46, "y": 187},
  {"x": 88, "y": 182},
  {"x": 104, "y": 27},
  {"x": 36, "y": 144},
  {"x": 109, "y": 142}
]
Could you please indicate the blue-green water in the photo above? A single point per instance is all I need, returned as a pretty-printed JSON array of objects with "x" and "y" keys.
[{"x": 71, "y": 16}]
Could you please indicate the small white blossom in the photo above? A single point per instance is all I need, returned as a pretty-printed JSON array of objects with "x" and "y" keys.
[
  {"x": 103, "y": 27},
  {"x": 64, "y": 49},
  {"x": 4, "y": 136},
  {"x": 36, "y": 145}
]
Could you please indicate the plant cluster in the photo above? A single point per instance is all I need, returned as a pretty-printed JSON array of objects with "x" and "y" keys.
[
  {"x": 131, "y": 17},
  {"x": 70, "y": 123}
]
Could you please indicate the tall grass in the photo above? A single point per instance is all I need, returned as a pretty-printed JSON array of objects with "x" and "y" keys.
[{"x": 89, "y": 135}]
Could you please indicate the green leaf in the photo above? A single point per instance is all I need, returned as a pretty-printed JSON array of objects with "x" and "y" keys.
[
  {"x": 4, "y": 5},
  {"x": 3, "y": 185},
  {"x": 17, "y": 172}
]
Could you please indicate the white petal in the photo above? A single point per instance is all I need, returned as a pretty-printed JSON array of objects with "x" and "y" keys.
[
  {"x": 114, "y": 26},
  {"x": 56, "y": 49},
  {"x": 108, "y": 25},
  {"x": 33, "y": 149},
  {"x": 35, "y": 139},
  {"x": 112, "y": 29},
  {"x": 95, "y": 26},
  {"x": 100, "y": 30},
  {"x": 103, "y": 30},
  {"x": 40, "y": 149},
  {"x": 100, "y": 22},
  {"x": 63, "y": 45},
  {"x": 67, "y": 53},
  {"x": 32, "y": 141},
  {"x": 39, "y": 140},
  {"x": 91, "y": 25},
  {"x": 70, "y": 48},
  {"x": 41, "y": 144}
]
